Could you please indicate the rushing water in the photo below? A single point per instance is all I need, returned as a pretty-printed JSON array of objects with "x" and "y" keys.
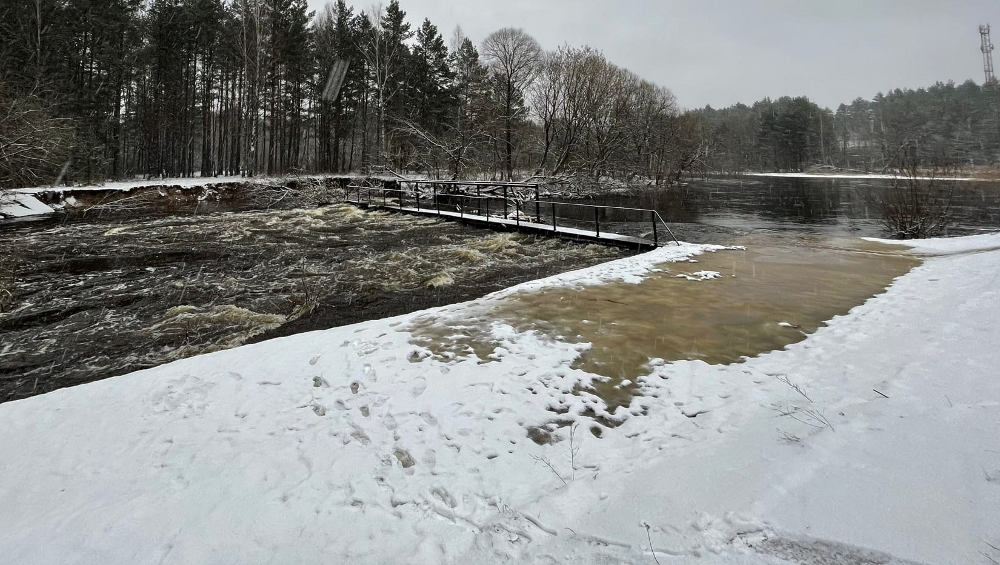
[{"x": 103, "y": 297}]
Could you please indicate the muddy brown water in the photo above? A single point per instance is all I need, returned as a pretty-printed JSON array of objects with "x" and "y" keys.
[
  {"x": 721, "y": 308},
  {"x": 107, "y": 295}
]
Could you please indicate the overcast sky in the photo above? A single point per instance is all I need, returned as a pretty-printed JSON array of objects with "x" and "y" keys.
[{"x": 720, "y": 52}]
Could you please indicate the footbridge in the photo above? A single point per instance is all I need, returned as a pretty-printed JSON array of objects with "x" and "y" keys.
[{"x": 517, "y": 206}]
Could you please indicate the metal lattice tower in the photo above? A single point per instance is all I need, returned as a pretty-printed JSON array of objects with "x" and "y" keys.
[{"x": 987, "y": 49}]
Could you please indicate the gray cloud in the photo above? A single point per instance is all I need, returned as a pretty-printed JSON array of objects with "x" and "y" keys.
[{"x": 726, "y": 51}]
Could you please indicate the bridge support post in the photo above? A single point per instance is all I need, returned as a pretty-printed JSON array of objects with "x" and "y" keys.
[
  {"x": 554, "y": 228},
  {"x": 505, "y": 202},
  {"x": 538, "y": 214},
  {"x": 597, "y": 223}
]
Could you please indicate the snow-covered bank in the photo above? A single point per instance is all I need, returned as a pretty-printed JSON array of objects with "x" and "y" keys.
[
  {"x": 183, "y": 182},
  {"x": 17, "y": 205},
  {"x": 22, "y": 202},
  {"x": 858, "y": 176},
  {"x": 354, "y": 445},
  {"x": 946, "y": 245}
]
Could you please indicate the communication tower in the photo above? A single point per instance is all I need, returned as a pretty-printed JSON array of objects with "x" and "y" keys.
[{"x": 987, "y": 49}]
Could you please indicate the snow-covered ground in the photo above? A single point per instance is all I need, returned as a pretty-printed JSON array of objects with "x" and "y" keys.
[{"x": 875, "y": 440}]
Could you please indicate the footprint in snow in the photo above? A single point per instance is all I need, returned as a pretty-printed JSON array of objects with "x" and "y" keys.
[
  {"x": 429, "y": 459},
  {"x": 419, "y": 386},
  {"x": 389, "y": 422},
  {"x": 404, "y": 457},
  {"x": 360, "y": 435},
  {"x": 442, "y": 494}
]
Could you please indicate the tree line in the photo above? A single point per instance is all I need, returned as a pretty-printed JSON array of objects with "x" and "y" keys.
[
  {"x": 98, "y": 89},
  {"x": 941, "y": 126}
]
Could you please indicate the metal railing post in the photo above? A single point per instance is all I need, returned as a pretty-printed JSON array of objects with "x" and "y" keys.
[
  {"x": 597, "y": 223},
  {"x": 487, "y": 208},
  {"x": 538, "y": 214},
  {"x": 554, "y": 228},
  {"x": 416, "y": 191},
  {"x": 652, "y": 218},
  {"x": 517, "y": 214},
  {"x": 505, "y": 202},
  {"x": 479, "y": 201}
]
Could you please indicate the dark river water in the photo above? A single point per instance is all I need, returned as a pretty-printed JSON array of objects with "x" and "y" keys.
[{"x": 101, "y": 295}]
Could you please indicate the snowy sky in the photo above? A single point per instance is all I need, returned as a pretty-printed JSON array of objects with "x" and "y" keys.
[{"x": 720, "y": 52}]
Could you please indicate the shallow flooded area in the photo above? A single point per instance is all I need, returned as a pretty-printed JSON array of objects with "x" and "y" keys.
[
  {"x": 107, "y": 296},
  {"x": 720, "y": 307}
]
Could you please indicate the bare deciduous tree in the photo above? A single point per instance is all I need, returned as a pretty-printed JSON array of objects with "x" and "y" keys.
[
  {"x": 34, "y": 146},
  {"x": 599, "y": 120},
  {"x": 918, "y": 202},
  {"x": 513, "y": 57}
]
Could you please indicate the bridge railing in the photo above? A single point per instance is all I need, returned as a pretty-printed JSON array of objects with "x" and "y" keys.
[{"x": 503, "y": 208}]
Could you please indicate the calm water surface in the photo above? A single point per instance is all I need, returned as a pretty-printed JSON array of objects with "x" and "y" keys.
[{"x": 703, "y": 210}]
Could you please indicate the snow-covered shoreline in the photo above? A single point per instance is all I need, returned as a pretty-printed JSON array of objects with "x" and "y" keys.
[
  {"x": 24, "y": 202},
  {"x": 183, "y": 182},
  {"x": 860, "y": 176},
  {"x": 355, "y": 445},
  {"x": 19, "y": 205}
]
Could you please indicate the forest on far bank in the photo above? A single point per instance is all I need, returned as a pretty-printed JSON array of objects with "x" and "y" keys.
[
  {"x": 104, "y": 89},
  {"x": 941, "y": 126}
]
